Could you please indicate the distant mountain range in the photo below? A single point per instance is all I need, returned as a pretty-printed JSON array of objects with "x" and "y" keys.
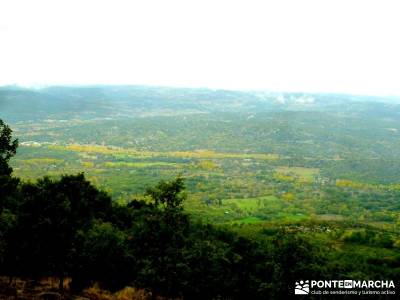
[{"x": 91, "y": 102}]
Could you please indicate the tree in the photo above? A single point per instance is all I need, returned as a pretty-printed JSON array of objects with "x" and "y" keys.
[
  {"x": 294, "y": 257},
  {"x": 51, "y": 216},
  {"x": 103, "y": 257},
  {"x": 158, "y": 236},
  {"x": 168, "y": 194},
  {"x": 8, "y": 148},
  {"x": 8, "y": 193}
]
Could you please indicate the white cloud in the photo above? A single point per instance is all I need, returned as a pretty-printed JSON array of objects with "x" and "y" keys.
[{"x": 309, "y": 45}]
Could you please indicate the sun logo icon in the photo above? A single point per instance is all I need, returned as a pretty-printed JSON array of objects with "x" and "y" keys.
[{"x": 302, "y": 287}]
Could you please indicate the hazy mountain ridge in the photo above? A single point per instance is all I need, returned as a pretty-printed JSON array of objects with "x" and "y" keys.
[{"x": 90, "y": 102}]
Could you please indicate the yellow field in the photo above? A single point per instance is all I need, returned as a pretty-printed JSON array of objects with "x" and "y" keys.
[{"x": 118, "y": 151}]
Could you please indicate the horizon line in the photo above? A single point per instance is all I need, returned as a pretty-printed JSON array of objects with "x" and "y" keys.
[{"x": 39, "y": 86}]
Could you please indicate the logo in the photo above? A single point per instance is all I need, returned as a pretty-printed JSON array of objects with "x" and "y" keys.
[
  {"x": 345, "y": 287},
  {"x": 302, "y": 287}
]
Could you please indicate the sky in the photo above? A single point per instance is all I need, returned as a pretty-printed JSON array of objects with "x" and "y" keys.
[{"x": 345, "y": 46}]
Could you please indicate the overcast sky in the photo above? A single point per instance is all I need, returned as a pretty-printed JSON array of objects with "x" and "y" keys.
[{"x": 308, "y": 45}]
